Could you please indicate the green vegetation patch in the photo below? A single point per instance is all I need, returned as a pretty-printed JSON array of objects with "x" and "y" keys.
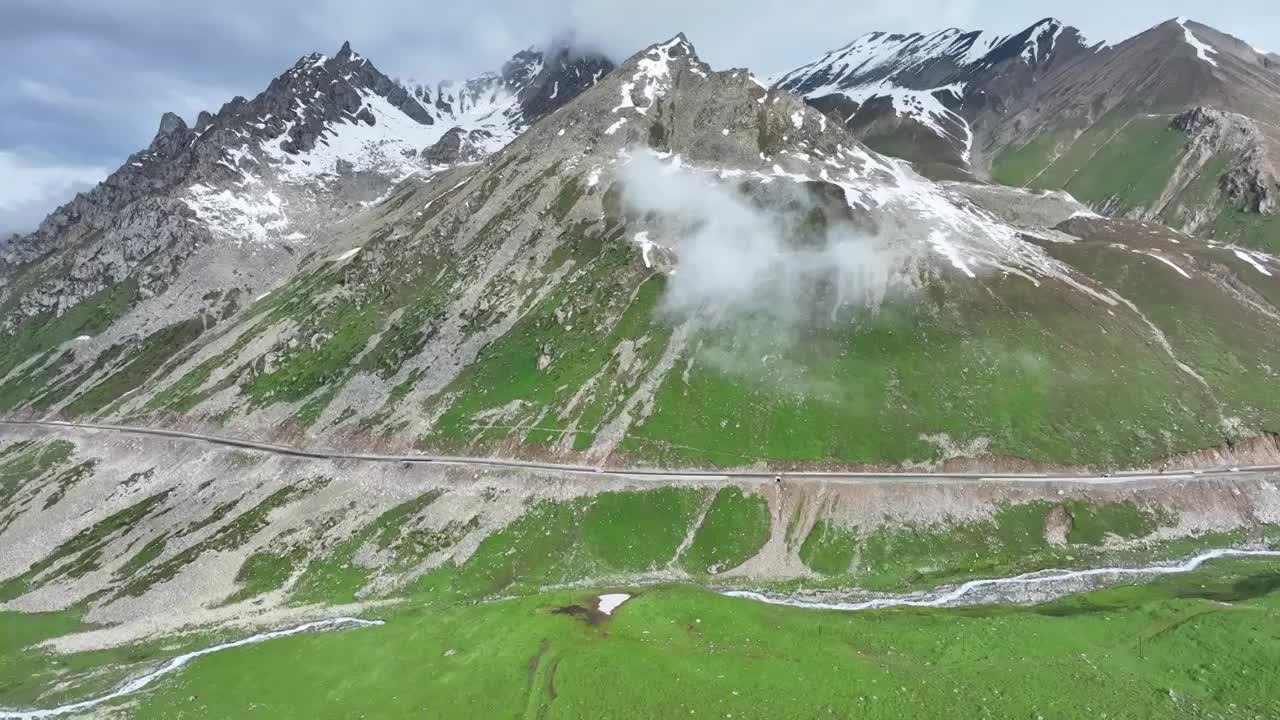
[
  {"x": 828, "y": 548},
  {"x": 68, "y": 479},
  {"x": 637, "y": 532},
  {"x": 335, "y": 577},
  {"x": 1042, "y": 373},
  {"x": 553, "y": 543},
  {"x": 734, "y": 529},
  {"x": 570, "y": 192},
  {"x": 1247, "y": 228},
  {"x": 1207, "y": 330},
  {"x": 31, "y": 676},
  {"x": 228, "y": 537},
  {"x": 542, "y": 547},
  {"x": 1201, "y": 192},
  {"x": 1199, "y": 645},
  {"x": 82, "y": 553},
  {"x": 295, "y": 300},
  {"x": 1131, "y": 170},
  {"x": 25, "y": 462},
  {"x": 35, "y": 377},
  {"x": 1123, "y": 161},
  {"x": 152, "y": 550},
  {"x": 1092, "y": 523},
  {"x": 1015, "y": 539},
  {"x": 42, "y": 333},
  {"x": 265, "y": 571},
  {"x": 577, "y": 328},
  {"x": 1019, "y": 166},
  {"x": 343, "y": 332},
  {"x": 150, "y": 355}
]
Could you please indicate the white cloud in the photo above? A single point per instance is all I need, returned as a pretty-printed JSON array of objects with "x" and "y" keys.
[
  {"x": 31, "y": 188},
  {"x": 737, "y": 260}
]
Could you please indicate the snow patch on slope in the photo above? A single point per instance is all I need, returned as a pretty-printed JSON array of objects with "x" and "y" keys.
[
  {"x": 646, "y": 247},
  {"x": 252, "y": 214},
  {"x": 652, "y": 76},
  {"x": 486, "y": 110},
  {"x": 923, "y": 106},
  {"x": 1031, "y": 51},
  {"x": 1164, "y": 260},
  {"x": 887, "y": 54},
  {"x": 916, "y": 214},
  {"x": 388, "y": 146},
  {"x": 1254, "y": 259},
  {"x": 1203, "y": 50}
]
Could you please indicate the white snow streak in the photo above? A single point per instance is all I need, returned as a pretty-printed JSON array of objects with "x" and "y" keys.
[
  {"x": 653, "y": 76},
  {"x": 938, "y": 241},
  {"x": 646, "y": 245},
  {"x": 923, "y": 106},
  {"x": 1166, "y": 261},
  {"x": 1202, "y": 49},
  {"x": 1255, "y": 262}
]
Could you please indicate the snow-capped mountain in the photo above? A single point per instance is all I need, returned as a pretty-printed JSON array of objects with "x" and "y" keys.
[
  {"x": 1013, "y": 107},
  {"x": 326, "y": 136},
  {"x": 337, "y": 124},
  {"x": 918, "y": 59},
  {"x": 885, "y": 84}
]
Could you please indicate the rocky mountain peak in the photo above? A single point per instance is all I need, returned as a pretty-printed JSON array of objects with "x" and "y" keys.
[
  {"x": 171, "y": 135},
  {"x": 327, "y": 134},
  {"x": 655, "y": 60},
  {"x": 169, "y": 124}
]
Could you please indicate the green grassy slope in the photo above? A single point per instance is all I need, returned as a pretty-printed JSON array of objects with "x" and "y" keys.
[
  {"x": 1122, "y": 162},
  {"x": 589, "y": 359},
  {"x": 1125, "y": 162},
  {"x": 1201, "y": 645}
]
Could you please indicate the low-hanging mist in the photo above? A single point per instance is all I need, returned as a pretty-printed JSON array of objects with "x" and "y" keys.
[{"x": 774, "y": 254}]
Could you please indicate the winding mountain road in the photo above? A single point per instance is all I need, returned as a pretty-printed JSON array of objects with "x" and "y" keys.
[{"x": 1120, "y": 477}]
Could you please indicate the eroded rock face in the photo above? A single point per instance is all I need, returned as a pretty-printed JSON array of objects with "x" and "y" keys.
[
  {"x": 457, "y": 145},
  {"x": 1250, "y": 182},
  {"x": 1057, "y": 525}
]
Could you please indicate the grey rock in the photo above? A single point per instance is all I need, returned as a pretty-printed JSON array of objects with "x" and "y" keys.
[{"x": 457, "y": 145}]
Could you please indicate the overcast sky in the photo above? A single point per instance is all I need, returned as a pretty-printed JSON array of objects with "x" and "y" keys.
[{"x": 89, "y": 79}]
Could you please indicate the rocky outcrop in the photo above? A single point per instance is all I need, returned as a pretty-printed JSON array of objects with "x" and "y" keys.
[
  {"x": 457, "y": 145},
  {"x": 1249, "y": 182}
]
